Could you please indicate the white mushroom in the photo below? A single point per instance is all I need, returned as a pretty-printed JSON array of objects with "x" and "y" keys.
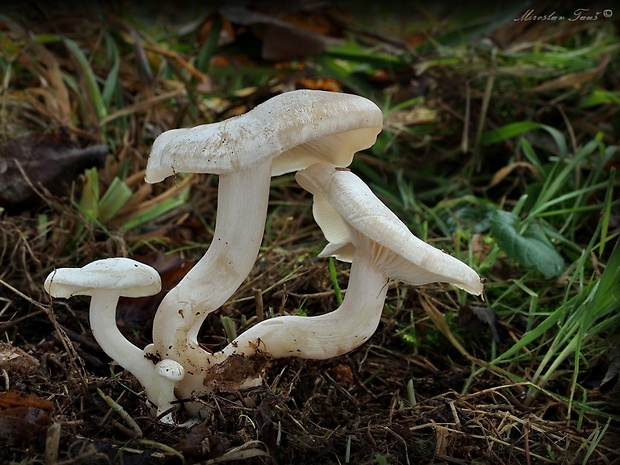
[
  {"x": 105, "y": 281},
  {"x": 362, "y": 230},
  {"x": 170, "y": 372},
  {"x": 283, "y": 134}
]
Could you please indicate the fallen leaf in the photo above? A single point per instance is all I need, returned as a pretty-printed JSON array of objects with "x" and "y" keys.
[
  {"x": 18, "y": 399},
  {"x": 574, "y": 80},
  {"x": 506, "y": 170},
  {"x": 49, "y": 160},
  {"x": 399, "y": 119},
  {"x": 23, "y": 417},
  {"x": 14, "y": 359},
  {"x": 288, "y": 42},
  {"x": 285, "y": 39}
]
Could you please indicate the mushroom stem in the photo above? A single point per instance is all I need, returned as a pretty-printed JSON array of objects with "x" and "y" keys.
[
  {"x": 102, "y": 315},
  {"x": 317, "y": 337},
  {"x": 240, "y": 222},
  {"x": 325, "y": 336}
]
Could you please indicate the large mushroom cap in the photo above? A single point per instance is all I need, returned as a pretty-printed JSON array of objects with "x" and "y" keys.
[
  {"x": 351, "y": 216},
  {"x": 129, "y": 277},
  {"x": 295, "y": 129}
]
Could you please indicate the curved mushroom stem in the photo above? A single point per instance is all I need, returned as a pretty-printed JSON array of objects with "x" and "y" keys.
[
  {"x": 102, "y": 315},
  {"x": 325, "y": 336},
  {"x": 317, "y": 337},
  {"x": 240, "y": 223}
]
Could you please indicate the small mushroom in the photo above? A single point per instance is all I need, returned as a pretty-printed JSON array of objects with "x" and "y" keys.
[
  {"x": 170, "y": 372},
  {"x": 283, "y": 134},
  {"x": 105, "y": 281},
  {"x": 362, "y": 230}
]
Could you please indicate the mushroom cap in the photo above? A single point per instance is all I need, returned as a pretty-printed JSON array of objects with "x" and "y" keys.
[
  {"x": 351, "y": 216},
  {"x": 170, "y": 369},
  {"x": 294, "y": 129},
  {"x": 129, "y": 277}
]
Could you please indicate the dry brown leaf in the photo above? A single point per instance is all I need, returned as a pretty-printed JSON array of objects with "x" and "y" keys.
[
  {"x": 23, "y": 417},
  {"x": 50, "y": 160},
  {"x": 501, "y": 174},
  {"x": 14, "y": 359},
  {"x": 411, "y": 117},
  {"x": 574, "y": 80},
  {"x": 288, "y": 38},
  {"x": 19, "y": 399}
]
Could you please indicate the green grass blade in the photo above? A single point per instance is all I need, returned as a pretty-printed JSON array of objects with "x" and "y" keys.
[
  {"x": 89, "y": 200},
  {"x": 111, "y": 85},
  {"x": 209, "y": 48},
  {"x": 89, "y": 78},
  {"x": 156, "y": 211},
  {"x": 333, "y": 274},
  {"x": 606, "y": 212},
  {"x": 115, "y": 197}
]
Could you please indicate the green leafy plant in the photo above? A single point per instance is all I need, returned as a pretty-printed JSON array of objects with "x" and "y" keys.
[
  {"x": 526, "y": 242},
  {"x": 554, "y": 204},
  {"x": 532, "y": 234},
  {"x": 99, "y": 209}
]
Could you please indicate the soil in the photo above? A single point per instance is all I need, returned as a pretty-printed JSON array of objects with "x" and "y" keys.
[{"x": 386, "y": 402}]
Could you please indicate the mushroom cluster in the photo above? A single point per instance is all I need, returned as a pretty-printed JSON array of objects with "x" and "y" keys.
[{"x": 310, "y": 132}]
